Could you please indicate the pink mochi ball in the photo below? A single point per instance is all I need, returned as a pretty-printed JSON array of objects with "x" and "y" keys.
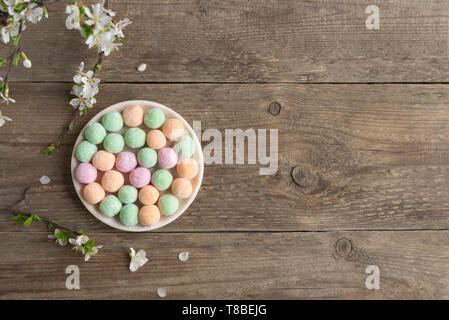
[
  {"x": 140, "y": 177},
  {"x": 126, "y": 161},
  {"x": 167, "y": 158},
  {"x": 85, "y": 173}
]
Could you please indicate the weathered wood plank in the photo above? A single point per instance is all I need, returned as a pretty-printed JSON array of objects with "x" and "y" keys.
[
  {"x": 369, "y": 157},
  {"x": 254, "y": 41},
  {"x": 413, "y": 265}
]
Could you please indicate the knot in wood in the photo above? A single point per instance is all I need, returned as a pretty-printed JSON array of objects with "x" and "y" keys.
[
  {"x": 274, "y": 108},
  {"x": 343, "y": 247},
  {"x": 302, "y": 176}
]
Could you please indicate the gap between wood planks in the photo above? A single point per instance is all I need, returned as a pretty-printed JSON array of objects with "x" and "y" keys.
[{"x": 242, "y": 83}]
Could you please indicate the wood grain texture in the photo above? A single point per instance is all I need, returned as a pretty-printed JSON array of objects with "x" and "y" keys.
[
  {"x": 413, "y": 265},
  {"x": 254, "y": 41},
  {"x": 376, "y": 156}
]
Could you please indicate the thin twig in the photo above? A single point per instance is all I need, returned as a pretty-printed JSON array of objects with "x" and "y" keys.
[{"x": 47, "y": 221}]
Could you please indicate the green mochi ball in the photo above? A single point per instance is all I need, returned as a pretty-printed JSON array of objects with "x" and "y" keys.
[
  {"x": 129, "y": 215},
  {"x": 154, "y": 118},
  {"x": 85, "y": 151},
  {"x": 110, "y": 206},
  {"x": 168, "y": 204},
  {"x": 127, "y": 194},
  {"x": 162, "y": 179},
  {"x": 112, "y": 121},
  {"x": 114, "y": 143},
  {"x": 95, "y": 133},
  {"x": 185, "y": 147},
  {"x": 147, "y": 157},
  {"x": 135, "y": 138}
]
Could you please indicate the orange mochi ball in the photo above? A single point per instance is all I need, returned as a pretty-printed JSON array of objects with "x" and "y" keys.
[
  {"x": 149, "y": 215},
  {"x": 103, "y": 160},
  {"x": 173, "y": 129},
  {"x": 187, "y": 168},
  {"x": 112, "y": 181},
  {"x": 148, "y": 195},
  {"x": 93, "y": 193},
  {"x": 181, "y": 188},
  {"x": 156, "y": 139},
  {"x": 133, "y": 116}
]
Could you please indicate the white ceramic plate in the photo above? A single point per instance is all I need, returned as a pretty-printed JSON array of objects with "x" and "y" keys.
[{"x": 183, "y": 204}]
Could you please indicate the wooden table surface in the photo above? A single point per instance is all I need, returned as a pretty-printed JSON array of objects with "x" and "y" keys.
[{"x": 363, "y": 174}]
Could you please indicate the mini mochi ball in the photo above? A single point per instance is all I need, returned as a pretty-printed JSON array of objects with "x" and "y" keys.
[
  {"x": 135, "y": 138},
  {"x": 85, "y": 173},
  {"x": 103, "y": 160},
  {"x": 147, "y": 157},
  {"x": 127, "y": 194},
  {"x": 140, "y": 177},
  {"x": 168, "y": 204},
  {"x": 185, "y": 147},
  {"x": 93, "y": 193},
  {"x": 167, "y": 158},
  {"x": 112, "y": 181},
  {"x": 162, "y": 179},
  {"x": 112, "y": 121},
  {"x": 129, "y": 215},
  {"x": 95, "y": 133},
  {"x": 85, "y": 151},
  {"x": 156, "y": 139},
  {"x": 148, "y": 195},
  {"x": 149, "y": 215},
  {"x": 173, "y": 129},
  {"x": 187, "y": 168},
  {"x": 133, "y": 116},
  {"x": 154, "y": 118},
  {"x": 126, "y": 161},
  {"x": 181, "y": 188},
  {"x": 114, "y": 143},
  {"x": 110, "y": 206}
]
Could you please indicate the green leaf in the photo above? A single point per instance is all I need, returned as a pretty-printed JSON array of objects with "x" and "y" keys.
[
  {"x": 2, "y": 62},
  {"x": 16, "y": 40},
  {"x": 15, "y": 218},
  {"x": 15, "y": 60},
  {"x": 50, "y": 226},
  {"x": 50, "y": 149},
  {"x": 81, "y": 232},
  {"x": 71, "y": 125},
  {"x": 99, "y": 66},
  {"x": 28, "y": 221}
]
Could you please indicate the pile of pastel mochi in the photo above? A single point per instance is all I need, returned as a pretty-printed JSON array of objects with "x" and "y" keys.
[{"x": 136, "y": 184}]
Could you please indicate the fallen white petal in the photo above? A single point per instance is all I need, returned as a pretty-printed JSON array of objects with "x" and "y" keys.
[
  {"x": 161, "y": 293},
  {"x": 45, "y": 180},
  {"x": 183, "y": 256},
  {"x": 142, "y": 67}
]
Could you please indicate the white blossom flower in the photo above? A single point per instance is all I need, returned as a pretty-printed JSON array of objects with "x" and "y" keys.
[
  {"x": 118, "y": 27},
  {"x": 79, "y": 241},
  {"x": 73, "y": 19},
  {"x": 79, "y": 74},
  {"x": 58, "y": 240},
  {"x": 90, "y": 84},
  {"x": 94, "y": 252},
  {"x": 3, "y": 119},
  {"x": 98, "y": 17},
  {"x": 137, "y": 259},
  {"x": 33, "y": 13},
  {"x": 5, "y": 99},
  {"x": 11, "y": 5},
  {"x": 10, "y": 31}
]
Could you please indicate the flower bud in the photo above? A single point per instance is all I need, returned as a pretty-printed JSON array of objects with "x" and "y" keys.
[{"x": 27, "y": 63}]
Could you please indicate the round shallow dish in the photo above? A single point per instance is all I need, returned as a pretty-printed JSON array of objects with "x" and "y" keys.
[{"x": 183, "y": 204}]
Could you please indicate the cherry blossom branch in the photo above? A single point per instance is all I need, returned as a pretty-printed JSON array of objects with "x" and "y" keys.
[{"x": 62, "y": 234}]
